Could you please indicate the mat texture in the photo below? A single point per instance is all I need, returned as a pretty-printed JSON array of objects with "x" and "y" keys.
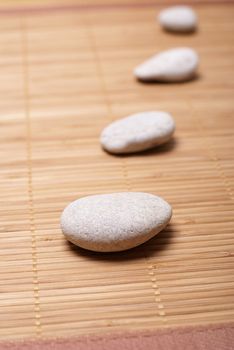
[{"x": 66, "y": 72}]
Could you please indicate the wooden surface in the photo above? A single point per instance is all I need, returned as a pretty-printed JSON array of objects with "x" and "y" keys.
[{"x": 64, "y": 76}]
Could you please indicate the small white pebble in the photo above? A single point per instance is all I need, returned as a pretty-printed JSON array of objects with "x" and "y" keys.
[
  {"x": 137, "y": 132},
  {"x": 178, "y": 19},
  {"x": 114, "y": 222},
  {"x": 175, "y": 65}
]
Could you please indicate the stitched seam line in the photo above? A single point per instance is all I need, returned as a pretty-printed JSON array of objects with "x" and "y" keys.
[
  {"x": 212, "y": 154},
  {"x": 152, "y": 271},
  {"x": 36, "y": 292},
  {"x": 106, "y": 95}
]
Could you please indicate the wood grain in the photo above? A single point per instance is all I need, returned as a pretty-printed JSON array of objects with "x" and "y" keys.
[{"x": 64, "y": 76}]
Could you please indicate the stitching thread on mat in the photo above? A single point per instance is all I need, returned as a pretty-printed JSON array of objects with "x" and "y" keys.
[
  {"x": 219, "y": 169},
  {"x": 105, "y": 93},
  {"x": 212, "y": 154},
  {"x": 125, "y": 173},
  {"x": 157, "y": 292},
  {"x": 36, "y": 292}
]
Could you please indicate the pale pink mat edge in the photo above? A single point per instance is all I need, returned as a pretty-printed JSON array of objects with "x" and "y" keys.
[{"x": 220, "y": 337}]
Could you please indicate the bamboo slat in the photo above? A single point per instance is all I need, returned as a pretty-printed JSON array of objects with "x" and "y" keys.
[{"x": 65, "y": 74}]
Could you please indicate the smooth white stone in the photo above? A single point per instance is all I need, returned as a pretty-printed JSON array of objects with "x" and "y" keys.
[
  {"x": 138, "y": 132},
  {"x": 178, "y": 19},
  {"x": 175, "y": 65},
  {"x": 114, "y": 222}
]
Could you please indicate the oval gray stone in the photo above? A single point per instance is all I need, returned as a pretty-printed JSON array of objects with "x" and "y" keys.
[
  {"x": 114, "y": 222},
  {"x": 173, "y": 65},
  {"x": 178, "y": 19},
  {"x": 138, "y": 132}
]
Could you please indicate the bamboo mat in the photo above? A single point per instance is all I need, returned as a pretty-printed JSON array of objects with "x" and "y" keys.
[{"x": 65, "y": 74}]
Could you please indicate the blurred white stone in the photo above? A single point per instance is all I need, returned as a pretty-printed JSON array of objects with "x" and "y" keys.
[
  {"x": 178, "y": 19},
  {"x": 174, "y": 65}
]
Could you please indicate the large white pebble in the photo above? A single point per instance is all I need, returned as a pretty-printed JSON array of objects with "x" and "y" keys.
[
  {"x": 138, "y": 132},
  {"x": 114, "y": 222},
  {"x": 178, "y": 19},
  {"x": 173, "y": 65}
]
